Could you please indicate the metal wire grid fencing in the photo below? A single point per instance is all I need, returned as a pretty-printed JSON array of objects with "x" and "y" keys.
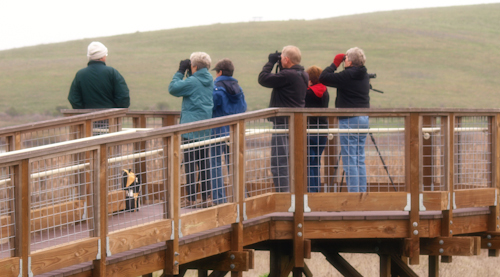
[
  {"x": 127, "y": 122},
  {"x": 356, "y": 154},
  {"x": 50, "y": 136},
  {"x": 7, "y": 213},
  {"x": 206, "y": 174},
  {"x": 61, "y": 199},
  {"x": 137, "y": 183},
  {"x": 266, "y": 156},
  {"x": 472, "y": 152},
  {"x": 102, "y": 127},
  {"x": 433, "y": 153},
  {"x": 154, "y": 122},
  {"x": 4, "y": 145}
]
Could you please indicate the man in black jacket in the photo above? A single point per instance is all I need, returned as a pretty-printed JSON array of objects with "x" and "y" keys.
[
  {"x": 353, "y": 87},
  {"x": 289, "y": 88}
]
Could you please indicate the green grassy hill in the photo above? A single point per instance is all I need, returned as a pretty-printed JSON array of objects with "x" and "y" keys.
[{"x": 439, "y": 57}]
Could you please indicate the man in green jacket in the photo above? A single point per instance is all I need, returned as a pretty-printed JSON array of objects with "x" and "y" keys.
[
  {"x": 98, "y": 86},
  {"x": 197, "y": 103}
]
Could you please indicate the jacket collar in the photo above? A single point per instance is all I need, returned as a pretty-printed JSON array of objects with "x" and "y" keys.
[{"x": 96, "y": 62}]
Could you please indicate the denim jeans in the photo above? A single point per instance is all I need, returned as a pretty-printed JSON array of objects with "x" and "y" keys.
[
  {"x": 316, "y": 146},
  {"x": 216, "y": 152},
  {"x": 352, "y": 149}
]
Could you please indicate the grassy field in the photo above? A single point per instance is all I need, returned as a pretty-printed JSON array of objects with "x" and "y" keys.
[{"x": 439, "y": 57}]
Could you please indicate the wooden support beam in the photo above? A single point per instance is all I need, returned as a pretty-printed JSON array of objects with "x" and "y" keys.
[
  {"x": 202, "y": 273},
  {"x": 216, "y": 273},
  {"x": 385, "y": 265},
  {"x": 343, "y": 266},
  {"x": 280, "y": 261},
  {"x": 492, "y": 243},
  {"x": 297, "y": 272},
  {"x": 229, "y": 261},
  {"x": 450, "y": 246},
  {"x": 434, "y": 266},
  {"x": 307, "y": 271},
  {"x": 307, "y": 249},
  {"x": 400, "y": 268}
]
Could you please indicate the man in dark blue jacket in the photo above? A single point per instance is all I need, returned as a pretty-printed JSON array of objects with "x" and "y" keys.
[{"x": 228, "y": 99}]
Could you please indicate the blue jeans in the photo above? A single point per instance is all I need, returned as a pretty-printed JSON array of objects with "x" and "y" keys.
[
  {"x": 216, "y": 152},
  {"x": 316, "y": 146},
  {"x": 352, "y": 149}
]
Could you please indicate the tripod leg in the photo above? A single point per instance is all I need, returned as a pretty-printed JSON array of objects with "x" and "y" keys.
[{"x": 383, "y": 162}]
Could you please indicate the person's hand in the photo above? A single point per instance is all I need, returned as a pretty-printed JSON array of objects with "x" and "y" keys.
[
  {"x": 184, "y": 65},
  {"x": 274, "y": 57},
  {"x": 338, "y": 59}
]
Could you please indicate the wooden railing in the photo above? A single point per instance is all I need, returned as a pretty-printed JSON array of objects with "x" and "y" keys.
[
  {"x": 419, "y": 160},
  {"x": 58, "y": 130},
  {"x": 138, "y": 119}
]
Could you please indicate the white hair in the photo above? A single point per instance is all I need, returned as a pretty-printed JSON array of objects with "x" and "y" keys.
[{"x": 200, "y": 60}]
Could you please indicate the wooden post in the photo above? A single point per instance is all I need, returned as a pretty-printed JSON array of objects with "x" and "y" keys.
[
  {"x": 299, "y": 181},
  {"x": 238, "y": 150},
  {"x": 102, "y": 214},
  {"x": 494, "y": 222},
  {"x": 385, "y": 265},
  {"x": 17, "y": 144},
  {"x": 168, "y": 120},
  {"x": 88, "y": 128},
  {"x": 172, "y": 251},
  {"x": 140, "y": 163},
  {"x": 23, "y": 226},
  {"x": 433, "y": 266},
  {"x": 413, "y": 161},
  {"x": 446, "y": 222}
]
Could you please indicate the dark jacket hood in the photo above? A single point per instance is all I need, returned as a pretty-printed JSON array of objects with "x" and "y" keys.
[{"x": 230, "y": 87}]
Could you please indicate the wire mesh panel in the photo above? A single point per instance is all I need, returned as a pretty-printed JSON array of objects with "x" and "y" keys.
[
  {"x": 154, "y": 122},
  {"x": 102, "y": 127},
  {"x": 7, "y": 213},
  {"x": 61, "y": 199},
  {"x": 127, "y": 122},
  {"x": 433, "y": 153},
  {"x": 360, "y": 154},
  {"x": 206, "y": 173},
  {"x": 472, "y": 154},
  {"x": 137, "y": 183},
  {"x": 50, "y": 136},
  {"x": 267, "y": 156},
  {"x": 4, "y": 144}
]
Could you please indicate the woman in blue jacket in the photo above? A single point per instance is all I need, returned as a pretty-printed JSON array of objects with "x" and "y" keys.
[{"x": 197, "y": 104}]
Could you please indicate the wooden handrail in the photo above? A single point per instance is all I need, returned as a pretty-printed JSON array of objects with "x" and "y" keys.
[{"x": 64, "y": 121}]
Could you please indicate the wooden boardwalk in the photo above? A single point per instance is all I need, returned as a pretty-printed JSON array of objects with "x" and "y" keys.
[{"x": 433, "y": 187}]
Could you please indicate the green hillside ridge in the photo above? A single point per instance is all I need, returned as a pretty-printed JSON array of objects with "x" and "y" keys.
[{"x": 436, "y": 57}]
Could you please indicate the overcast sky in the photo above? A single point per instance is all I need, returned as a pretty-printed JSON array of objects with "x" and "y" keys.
[{"x": 33, "y": 22}]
